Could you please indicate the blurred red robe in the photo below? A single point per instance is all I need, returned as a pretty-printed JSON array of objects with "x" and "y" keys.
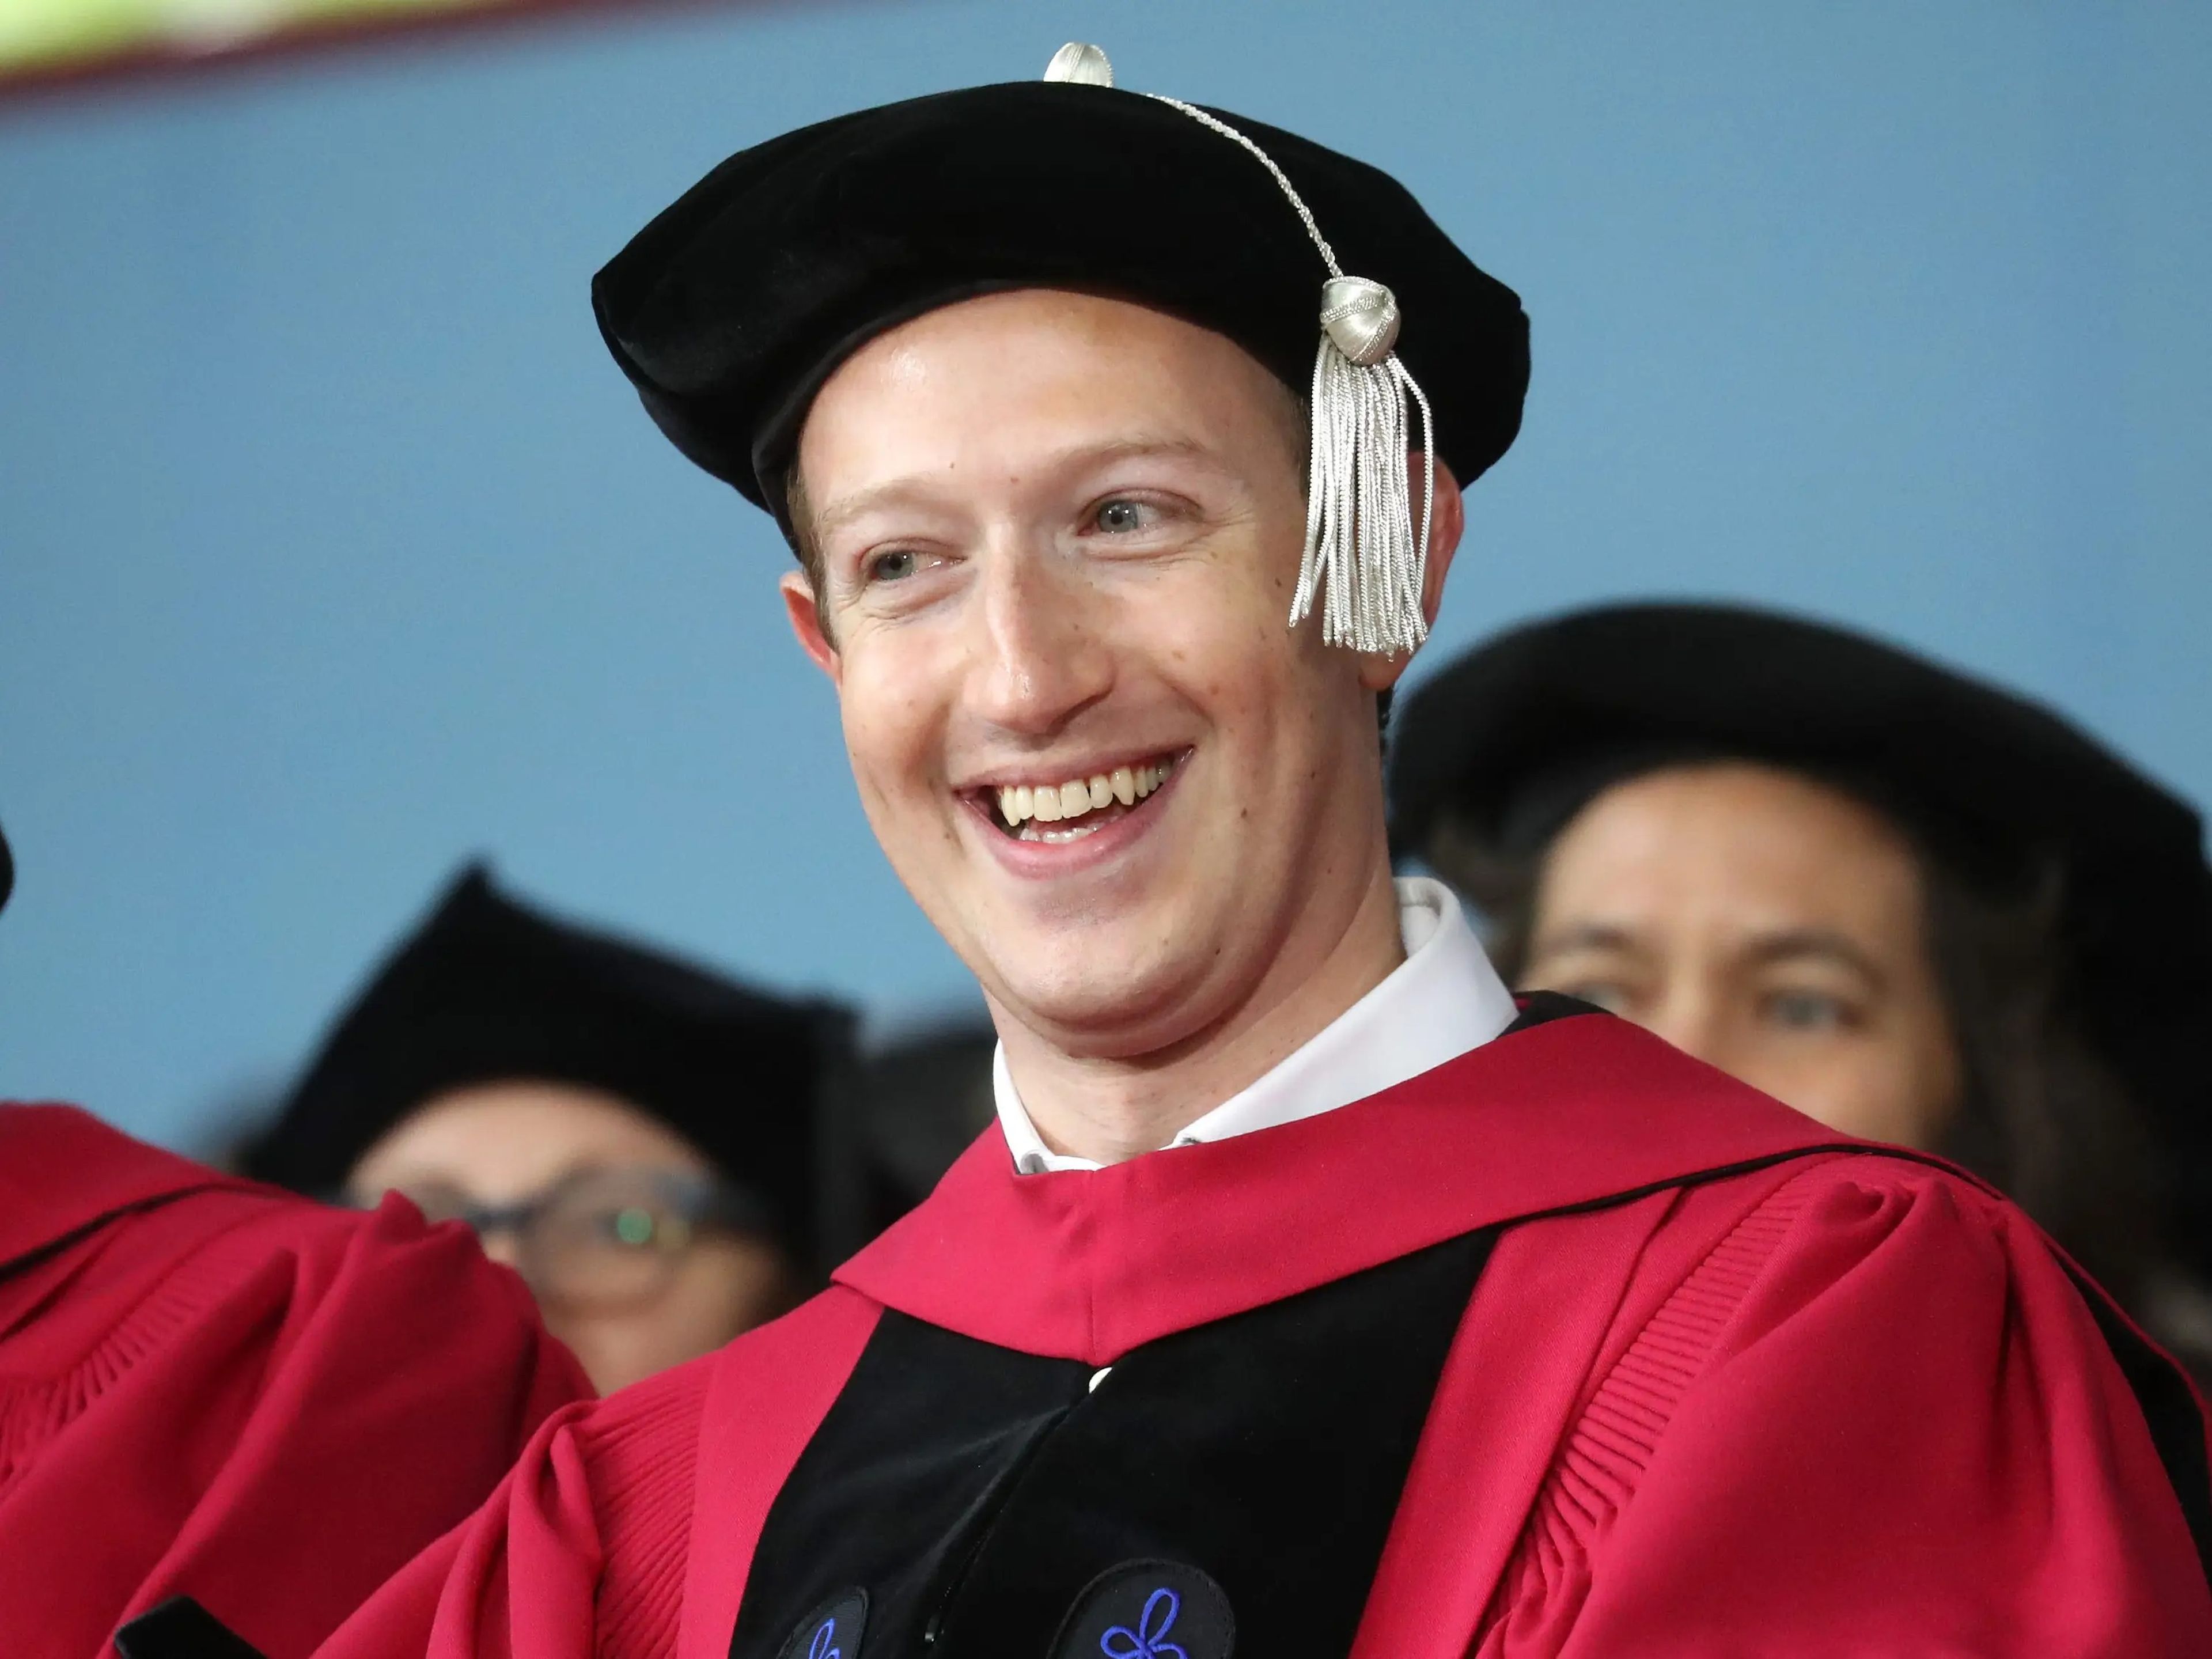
[
  {"x": 1723, "y": 1385},
  {"x": 209, "y": 1388}
]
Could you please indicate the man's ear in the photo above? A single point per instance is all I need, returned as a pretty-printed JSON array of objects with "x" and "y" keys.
[
  {"x": 805, "y": 613},
  {"x": 1447, "y": 523}
]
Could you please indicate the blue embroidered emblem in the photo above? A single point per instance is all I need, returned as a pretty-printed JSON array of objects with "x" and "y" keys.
[
  {"x": 1145, "y": 1642},
  {"x": 835, "y": 1629},
  {"x": 1143, "y": 1609}
]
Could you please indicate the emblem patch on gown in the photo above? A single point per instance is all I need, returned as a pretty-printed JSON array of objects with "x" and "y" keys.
[
  {"x": 832, "y": 1631},
  {"x": 1148, "y": 1610}
]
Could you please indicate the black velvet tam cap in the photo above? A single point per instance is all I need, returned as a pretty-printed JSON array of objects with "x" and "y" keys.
[
  {"x": 731, "y": 309},
  {"x": 489, "y": 990},
  {"x": 1513, "y": 738}
]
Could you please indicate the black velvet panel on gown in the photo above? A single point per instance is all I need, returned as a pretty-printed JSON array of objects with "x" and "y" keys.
[{"x": 1229, "y": 1485}]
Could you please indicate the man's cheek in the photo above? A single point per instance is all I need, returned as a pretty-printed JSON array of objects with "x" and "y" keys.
[{"x": 876, "y": 754}]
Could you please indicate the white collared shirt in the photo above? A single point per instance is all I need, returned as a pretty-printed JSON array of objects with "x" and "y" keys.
[{"x": 1443, "y": 1000}]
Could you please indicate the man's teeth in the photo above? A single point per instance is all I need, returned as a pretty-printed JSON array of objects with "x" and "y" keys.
[{"x": 1047, "y": 804}]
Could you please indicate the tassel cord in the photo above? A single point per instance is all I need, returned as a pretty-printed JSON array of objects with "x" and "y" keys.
[{"x": 1362, "y": 555}]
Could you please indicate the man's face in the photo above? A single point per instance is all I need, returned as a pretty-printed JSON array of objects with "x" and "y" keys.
[
  {"x": 1765, "y": 923},
  {"x": 582, "y": 1163},
  {"x": 1057, "y": 536}
]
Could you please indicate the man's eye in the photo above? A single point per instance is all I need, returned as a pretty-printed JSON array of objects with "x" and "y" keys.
[
  {"x": 1122, "y": 518},
  {"x": 1808, "y": 1010},
  {"x": 890, "y": 566}
]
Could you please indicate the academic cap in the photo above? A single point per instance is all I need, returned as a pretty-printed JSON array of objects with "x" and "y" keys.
[
  {"x": 489, "y": 990},
  {"x": 1513, "y": 738},
  {"x": 732, "y": 308}
]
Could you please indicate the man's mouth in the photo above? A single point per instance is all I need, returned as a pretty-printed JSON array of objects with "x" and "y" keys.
[{"x": 1069, "y": 810}]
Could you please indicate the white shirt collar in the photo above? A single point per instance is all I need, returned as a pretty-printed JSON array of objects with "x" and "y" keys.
[{"x": 1443, "y": 1000}]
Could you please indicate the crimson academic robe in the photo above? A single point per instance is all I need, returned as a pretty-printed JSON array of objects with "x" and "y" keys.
[
  {"x": 214, "y": 1389},
  {"x": 1569, "y": 1347}
]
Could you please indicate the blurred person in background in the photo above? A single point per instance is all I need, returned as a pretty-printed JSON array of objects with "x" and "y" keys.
[
  {"x": 1911, "y": 905},
  {"x": 636, "y": 1136},
  {"x": 213, "y": 1390},
  {"x": 913, "y": 1103}
]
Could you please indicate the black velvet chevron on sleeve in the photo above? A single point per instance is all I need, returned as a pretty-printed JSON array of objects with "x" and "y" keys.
[{"x": 180, "y": 1628}]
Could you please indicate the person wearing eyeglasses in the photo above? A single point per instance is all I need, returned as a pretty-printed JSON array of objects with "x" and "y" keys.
[{"x": 634, "y": 1136}]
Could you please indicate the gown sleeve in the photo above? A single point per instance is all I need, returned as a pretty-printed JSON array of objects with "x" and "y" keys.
[
  {"x": 627, "y": 1528},
  {"x": 1879, "y": 1417},
  {"x": 578, "y": 1554},
  {"x": 224, "y": 1392}
]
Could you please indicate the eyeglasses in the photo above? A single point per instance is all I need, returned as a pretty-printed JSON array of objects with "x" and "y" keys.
[{"x": 603, "y": 1239}]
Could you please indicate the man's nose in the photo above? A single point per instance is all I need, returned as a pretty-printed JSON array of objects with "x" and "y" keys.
[
  {"x": 1692, "y": 1017},
  {"x": 1044, "y": 659}
]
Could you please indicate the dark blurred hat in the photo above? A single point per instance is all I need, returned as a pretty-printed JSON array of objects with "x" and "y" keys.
[
  {"x": 488, "y": 990},
  {"x": 730, "y": 310},
  {"x": 1508, "y": 742},
  {"x": 907, "y": 1109}
]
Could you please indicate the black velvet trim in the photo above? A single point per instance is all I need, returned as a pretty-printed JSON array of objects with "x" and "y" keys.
[
  {"x": 912, "y": 1458},
  {"x": 980, "y": 1494},
  {"x": 1543, "y": 1008},
  {"x": 180, "y": 1628}
]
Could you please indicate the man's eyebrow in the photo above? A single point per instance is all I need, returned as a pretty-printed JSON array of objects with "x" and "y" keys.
[
  {"x": 842, "y": 510},
  {"x": 1585, "y": 936},
  {"x": 1824, "y": 943}
]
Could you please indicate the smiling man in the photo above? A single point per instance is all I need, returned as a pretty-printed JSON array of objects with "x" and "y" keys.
[{"x": 1309, "y": 1297}]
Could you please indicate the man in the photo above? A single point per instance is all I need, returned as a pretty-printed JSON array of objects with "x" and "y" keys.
[
  {"x": 1910, "y": 903},
  {"x": 634, "y": 1134},
  {"x": 214, "y": 1390},
  {"x": 1308, "y": 1299}
]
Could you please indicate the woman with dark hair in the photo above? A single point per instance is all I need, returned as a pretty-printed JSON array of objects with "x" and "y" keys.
[{"x": 1915, "y": 906}]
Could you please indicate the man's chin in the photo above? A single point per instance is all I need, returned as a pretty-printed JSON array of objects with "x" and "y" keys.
[{"x": 1108, "y": 1006}]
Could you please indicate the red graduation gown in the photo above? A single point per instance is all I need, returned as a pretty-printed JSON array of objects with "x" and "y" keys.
[
  {"x": 1724, "y": 1384},
  {"x": 212, "y": 1389}
]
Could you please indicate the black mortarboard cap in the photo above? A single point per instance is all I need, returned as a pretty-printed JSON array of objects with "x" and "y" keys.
[
  {"x": 730, "y": 310},
  {"x": 1512, "y": 739},
  {"x": 489, "y": 990}
]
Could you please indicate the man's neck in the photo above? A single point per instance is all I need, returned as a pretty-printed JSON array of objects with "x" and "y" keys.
[{"x": 1108, "y": 1110}]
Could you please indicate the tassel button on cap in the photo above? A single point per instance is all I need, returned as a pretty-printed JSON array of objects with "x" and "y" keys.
[
  {"x": 1361, "y": 317},
  {"x": 1085, "y": 65}
]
